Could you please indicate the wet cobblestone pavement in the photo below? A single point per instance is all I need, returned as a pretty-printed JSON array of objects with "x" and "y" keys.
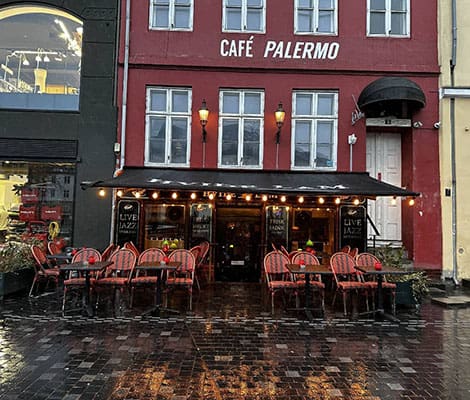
[{"x": 230, "y": 347}]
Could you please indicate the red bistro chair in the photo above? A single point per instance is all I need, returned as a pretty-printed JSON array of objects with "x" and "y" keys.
[
  {"x": 131, "y": 246},
  {"x": 183, "y": 276},
  {"x": 278, "y": 277},
  {"x": 346, "y": 277},
  {"x": 143, "y": 278},
  {"x": 44, "y": 271},
  {"x": 368, "y": 259},
  {"x": 108, "y": 251},
  {"x": 196, "y": 252},
  {"x": 316, "y": 284}
]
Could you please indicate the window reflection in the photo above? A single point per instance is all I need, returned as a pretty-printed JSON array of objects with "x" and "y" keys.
[{"x": 40, "y": 58}]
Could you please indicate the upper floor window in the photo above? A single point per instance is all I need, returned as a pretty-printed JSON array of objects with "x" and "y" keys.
[
  {"x": 388, "y": 18},
  {"x": 168, "y": 126},
  {"x": 40, "y": 57},
  {"x": 241, "y": 128},
  {"x": 314, "y": 130},
  {"x": 316, "y": 17},
  {"x": 244, "y": 16},
  {"x": 171, "y": 14}
]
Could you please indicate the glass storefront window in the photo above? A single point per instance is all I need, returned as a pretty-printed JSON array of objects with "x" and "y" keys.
[
  {"x": 40, "y": 58},
  {"x": 164, "y": 226},
  {"x": 36, "y": 199}
]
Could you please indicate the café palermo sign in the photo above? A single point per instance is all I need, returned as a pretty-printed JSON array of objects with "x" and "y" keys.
[{"x": 298, "y": 50}]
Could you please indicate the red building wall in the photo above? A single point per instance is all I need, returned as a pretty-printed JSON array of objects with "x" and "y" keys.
[{"x": 194, "y": 59}]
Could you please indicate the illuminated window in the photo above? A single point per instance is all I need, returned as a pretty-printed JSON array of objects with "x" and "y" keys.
[{"x": 40, "y": 58}]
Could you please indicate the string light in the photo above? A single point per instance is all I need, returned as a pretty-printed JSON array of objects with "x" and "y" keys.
[
  {"x": 248, "y": 197},
  {"x": 193, "y": 196},
  {"x": 211, "y": 196},
  {"x": 137, "y": 195},
  {"x": 174, "y": 195},
  {"x": 155, "y": 195},
  {"x": 102, "y": 193},
  {"x": 283, "y": 199},
  {"x": 301, "y": 199},
  {"x": 337, "y": 200},
  {"x": 119, "y": 193},
  {"x": 264, "y": 197},
  {"x": 321, "y": 200},
  {"x": 228, "y": 197},
  {"x": 356, "y": 201}
]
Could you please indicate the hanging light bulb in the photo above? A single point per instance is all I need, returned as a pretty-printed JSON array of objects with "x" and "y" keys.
[
  {"x": 283, "y": 199},
  {"x": 248, "y": 197},
  {"x": 356, "y": 201},
  {"x": 337, "y": 200},
  {"x": 264, "y": 197},
  {"x": 193, "y": 196},
  {"x": 301, "y": 199},
  {"x": 155, "y": 195},
  {"x": 102, "y": 193},
  {"x": 174, "y": 195},
  {"x": 211, "y": 196},
  {"x": 321, "y": 200},
  {"x": 119, "y": 193},
  {"x": 228, "y": 197}
]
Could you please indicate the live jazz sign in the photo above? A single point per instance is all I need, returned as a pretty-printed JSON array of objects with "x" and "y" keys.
[{"x": 302, "y": 50}]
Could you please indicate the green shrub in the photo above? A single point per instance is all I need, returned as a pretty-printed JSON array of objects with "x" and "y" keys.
[{"x": 15, "y": 256}]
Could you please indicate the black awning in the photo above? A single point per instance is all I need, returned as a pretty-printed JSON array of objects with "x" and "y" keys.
[
  {"x": 242, "y": 181},
  {"x": 392, "y": 88}
]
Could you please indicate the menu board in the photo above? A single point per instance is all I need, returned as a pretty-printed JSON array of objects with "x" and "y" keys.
[
  {"x": 201, "y": 223},
  {"x": 277, "y": 226},
  {"x": 353, "y": 227},
  {"x": 128, "y": 217}
]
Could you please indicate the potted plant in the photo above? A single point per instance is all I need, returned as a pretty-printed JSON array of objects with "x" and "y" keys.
[
  {"x": 411, "y": 287},
  {"x": 16, "y": 267}
]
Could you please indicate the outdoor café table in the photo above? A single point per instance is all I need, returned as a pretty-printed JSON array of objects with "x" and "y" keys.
[
  {"x": 308, "y": 270},
  {"x": 86, "y": 268},
  {"x": 160, "y": 268},
  {"x": 67, "y": 257},
  {"x": 385, "y": 270}
]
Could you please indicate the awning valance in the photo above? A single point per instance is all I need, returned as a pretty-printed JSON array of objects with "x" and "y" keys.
[
  {"x": 259, "y": 181},
  {"x": 392, "y": 88}
]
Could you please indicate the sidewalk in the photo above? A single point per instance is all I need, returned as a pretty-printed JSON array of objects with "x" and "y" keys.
[{"x": 230, "y": 347}]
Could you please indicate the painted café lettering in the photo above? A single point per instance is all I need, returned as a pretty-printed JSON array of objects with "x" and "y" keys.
[{"x": 280, "y": 49}]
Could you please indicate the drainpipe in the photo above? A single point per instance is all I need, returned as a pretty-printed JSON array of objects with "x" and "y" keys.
[
  {"x": 453, "y": 63},
  {"x": 125, "y": 79}
]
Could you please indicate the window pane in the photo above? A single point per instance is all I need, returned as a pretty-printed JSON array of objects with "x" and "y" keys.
[
  {"x": 303, "y": 104},
  {"x": 229, "y": 154},
  {"x": 234, "y": 3},
  {"x": 182, "y": 16},
  {"x": 377, "y": 23},
  {"x": 302, "y": 132},
  {"x": 157, "y": 140},
  {"x": 230, "y": 130},
  {"x": 251, "y": 130},
  {"x": 251, "y": 154},
  {"x": 179, "y": 101},
  {"x": 377, "y": 5},
  {"x": 230, "y": 103},
  {"x": 254, "y": 3},
  {"x": 398, "y": 24},
  {"x": 325, "y": 21},
  {"x": 178, "y": 151},
  {"x": 179, "y": 128},
  {"x": 161, "y": 17},
  {"x": 326, "y": 4},
  {"x": 325, "y": 104},
  {"x": 398, "y": 5},
  {"x": 324, "y": 154},
  {"x": 252, "y": 103},
  {"x": 253, "y": 20},
  {"x": 234, "y": 20},
  {"x": 305, "y": 21},
  {"x": 305, "y": 3},
  {"x": 158, "y": 100},
  {"x": 183, "y": 2}
]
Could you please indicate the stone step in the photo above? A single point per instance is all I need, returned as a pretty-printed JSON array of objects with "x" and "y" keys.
[{"x": 452, "y": 301}]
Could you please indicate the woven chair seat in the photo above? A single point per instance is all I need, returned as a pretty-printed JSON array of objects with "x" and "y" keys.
[
  {"x": 113, "y": 281},
  {"x": 78, "y": 281},
  {"x": 313, "y": 283},
  {"x": 349, "y": 285},
  {"x": 144, "y": 280},
  {"x": 274, "y": 285},
  {"x": 179, "y": 281}
]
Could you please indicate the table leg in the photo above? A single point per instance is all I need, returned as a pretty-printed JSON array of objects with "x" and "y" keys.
[{"x": 88, "y": 308}]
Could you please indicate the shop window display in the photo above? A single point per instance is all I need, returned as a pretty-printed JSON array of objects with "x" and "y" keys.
[{"x": 36, "y": 201}]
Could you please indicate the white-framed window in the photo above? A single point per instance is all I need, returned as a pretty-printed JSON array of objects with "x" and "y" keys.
[
  {"x": 316, "y": 17},
  {"x": 168, "y": 126},
  {"x": 244, "y": 16},
  {"x": 388, "y": 18},
  {"x": 314, "y": 130},
  {"x": 173, "y": 15},
  {"x": 241, "y": 128}
]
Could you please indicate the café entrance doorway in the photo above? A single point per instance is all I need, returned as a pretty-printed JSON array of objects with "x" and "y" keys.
[{"x": 239, "y": 247}]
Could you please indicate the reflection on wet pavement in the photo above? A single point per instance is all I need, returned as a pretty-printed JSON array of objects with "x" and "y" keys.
[{"x": 230, "y": 347}]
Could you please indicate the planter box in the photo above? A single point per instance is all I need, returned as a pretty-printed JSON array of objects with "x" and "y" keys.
[
  {"x": 11, "y": 282},
  {"x": 404, "y": 294}
]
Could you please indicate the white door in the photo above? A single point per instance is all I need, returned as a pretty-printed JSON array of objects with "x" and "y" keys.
[{"x": 383, "y": 160}]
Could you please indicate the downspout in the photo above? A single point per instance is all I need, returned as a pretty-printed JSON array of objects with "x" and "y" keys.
[
  {"x": 122, "y": 148},
  {"x": 453, "y": 63}
]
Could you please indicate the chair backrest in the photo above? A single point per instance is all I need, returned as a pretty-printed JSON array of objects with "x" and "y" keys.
[
  {"x": 152, "y": 254},
  {"x": 196, "y": 252},
  {"x": 366, "y": 259},
  {"x": 308, "y": 258},
  {"x": 354, "y": 251},
  {"x": 342, "y": 264},
  {"x": 53, "y": 248},
  {"x": 40, "y": 259},
  {"x": 123, "y": 261},
  {"x": 346, "y": 249},
  {"x": 85, "y": 254},
  {"x": 108, "y": 251},
  {"x": 275, "y": 263},
  {"x": 205, "y": 246},
  {"x": 131, "y": 246},
  {"x": 284, "y": 251},
  {"x": 186, "y": 258}
]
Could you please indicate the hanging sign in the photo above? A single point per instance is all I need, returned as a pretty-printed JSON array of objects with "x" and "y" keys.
[{"x": 353, "y": 227}]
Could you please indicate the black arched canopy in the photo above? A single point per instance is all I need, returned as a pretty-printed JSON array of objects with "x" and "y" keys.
[{"x": 392, "y": 89}]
